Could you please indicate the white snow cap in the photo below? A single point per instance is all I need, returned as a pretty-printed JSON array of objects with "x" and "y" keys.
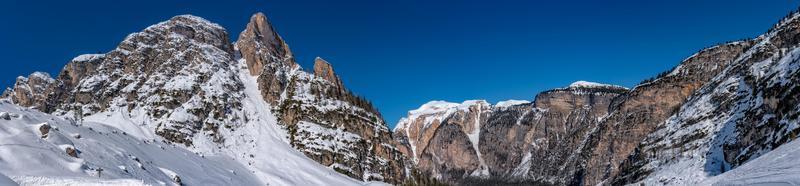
[
  {"x": 587, "y": 84},
  {"x": 41, "y": 75},
  {"x": 88, "y": 57},
  {"x": 437, "y": 106},
  {"x": 512, "y": 102},
  {"x": 433, "y": 107}
]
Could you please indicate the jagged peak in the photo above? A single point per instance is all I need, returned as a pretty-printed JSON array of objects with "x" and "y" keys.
[
  {"x": 261, "y": 28},
  {"x": 188, "y": 18},
  {"x": 42, "y": 75},
  {"x": 259, "y": 38},
  {"x": 36, "y": 75},
  {"x": 182, "y": 27}
]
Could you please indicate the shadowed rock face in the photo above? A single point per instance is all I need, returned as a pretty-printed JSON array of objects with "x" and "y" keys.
[{"x": 180, "y": 79}]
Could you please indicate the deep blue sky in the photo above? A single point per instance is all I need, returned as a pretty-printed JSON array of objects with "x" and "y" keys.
[{"x": 401, "y": 54}]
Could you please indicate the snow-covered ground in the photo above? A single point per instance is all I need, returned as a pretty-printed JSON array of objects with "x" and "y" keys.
[
  {"x": 778, "y": 167},
  {"x": 105, "y": 155}
]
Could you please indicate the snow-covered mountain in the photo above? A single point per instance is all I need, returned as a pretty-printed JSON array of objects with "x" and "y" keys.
[
  {"x": 717, "y": 111},
  {"x": 509, "y": 140},
  {"x": 182, "y": 84},
  {"x": 746, "y": 111},
  {"x": 179, "y": 103}
]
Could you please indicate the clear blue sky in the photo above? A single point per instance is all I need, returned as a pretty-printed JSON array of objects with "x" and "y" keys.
[{"x": 401, "y": 54}]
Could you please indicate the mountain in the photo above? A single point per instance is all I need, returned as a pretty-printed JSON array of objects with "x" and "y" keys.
[
  {"x": 746, "y": 111},
  {"x": 509, "y": 140},
  {"x": 719, "y": 109},
  {"x": 180, "y": 104},
  {"x": 182, "y": 82}
]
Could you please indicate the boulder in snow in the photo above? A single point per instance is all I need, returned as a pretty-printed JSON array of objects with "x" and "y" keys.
[
  {"x": 72, "y": 152},
  {"x": 44, "y": 129},
  {"x": 5, "y": 116}
]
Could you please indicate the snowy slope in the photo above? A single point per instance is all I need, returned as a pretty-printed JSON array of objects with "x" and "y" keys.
[
  {"x": 275, "y": 161},
  {"x": 129, "y": 154},
  {"x": 257, "y": 153},
  {"x": 5, "y": 180},
  {"x": 778, "y": 167},
  {"x": 29, "y": 159}
]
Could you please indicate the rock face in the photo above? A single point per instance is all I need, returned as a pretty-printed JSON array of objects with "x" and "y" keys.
[
  {"x": 748, "y": 109},
  {"x": 639, "y": 112},
  {"x": 32, "y": 91},
  {"x": 267, "y": 57},
  {"x": 180, "y": 81},
  {"x": 509, "y": 140},
  {"x": 324, "y": 120}
]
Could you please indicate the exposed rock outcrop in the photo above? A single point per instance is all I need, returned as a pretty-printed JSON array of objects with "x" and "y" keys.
[{"x": 267, "y": 56}]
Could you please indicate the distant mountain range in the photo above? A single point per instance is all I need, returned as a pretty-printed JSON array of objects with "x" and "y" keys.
[{"x": 180, "y": 104}]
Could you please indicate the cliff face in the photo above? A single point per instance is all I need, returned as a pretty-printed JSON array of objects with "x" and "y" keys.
[
  {"x": 747, "y": 110},
  {"x": 180, "y": 81},
  {"x": 645, "y": 108},
  {"x": 508, "y": 140}
]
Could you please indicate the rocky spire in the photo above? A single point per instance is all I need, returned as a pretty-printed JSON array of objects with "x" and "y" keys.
[
  {"x": 324, "y": 69},
  {"x": 259, "y": 36}
]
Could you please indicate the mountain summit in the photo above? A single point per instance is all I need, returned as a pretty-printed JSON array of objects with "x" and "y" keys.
[{"x": 183, "y": 82}]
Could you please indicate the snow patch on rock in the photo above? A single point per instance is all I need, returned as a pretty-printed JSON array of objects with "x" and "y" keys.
[
  {"x": 587, "y": 84},
  {"x": 508, "y": 103}
]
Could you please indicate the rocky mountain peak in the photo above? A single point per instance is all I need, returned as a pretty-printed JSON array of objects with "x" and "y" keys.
[
  {"x": 183, "y": 82},
  {"x": 260, "y": 37},
  {"x": 324, "y": 69},
  {"x": 31, "y": 91},
  {"x": 260, "y": 26},
  {"x": 193, "y": 28}
]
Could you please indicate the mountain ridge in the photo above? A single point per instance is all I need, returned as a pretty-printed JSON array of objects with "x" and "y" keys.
[{"x": 179, "y": 81}]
